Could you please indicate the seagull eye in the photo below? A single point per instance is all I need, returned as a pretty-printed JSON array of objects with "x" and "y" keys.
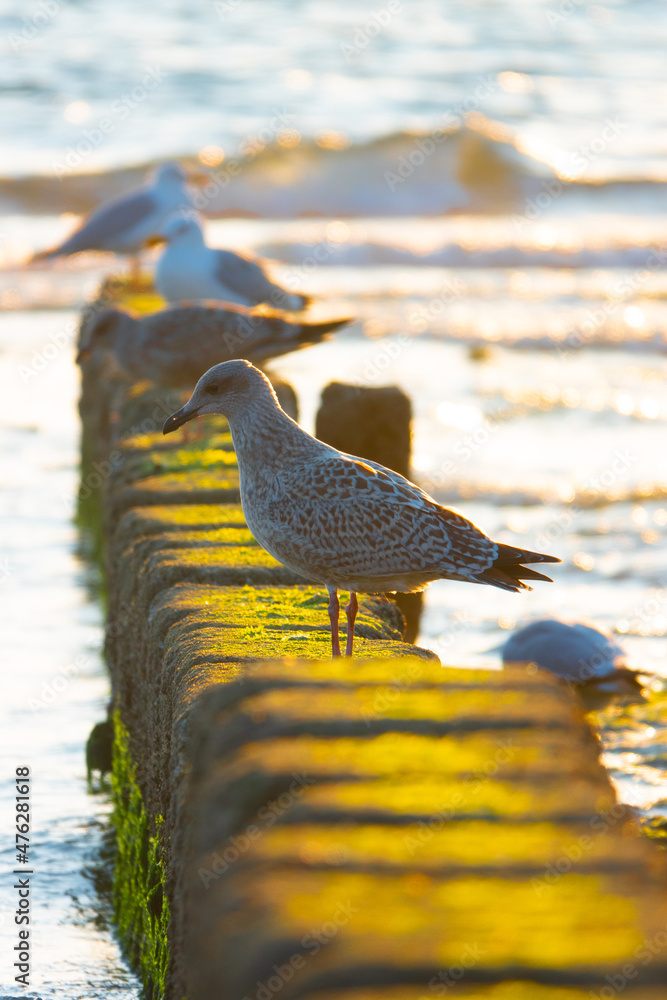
[{"x": 212, "y": 390}]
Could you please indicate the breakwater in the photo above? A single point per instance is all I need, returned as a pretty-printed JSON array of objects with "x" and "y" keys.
[{"x": 291, "y": 826}]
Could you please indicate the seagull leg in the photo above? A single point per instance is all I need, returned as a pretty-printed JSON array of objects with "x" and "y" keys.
[
  {"x": 351, "y": 612},
  {"x": 334, "y": 608},
  {"x": 135, "y": 271}
]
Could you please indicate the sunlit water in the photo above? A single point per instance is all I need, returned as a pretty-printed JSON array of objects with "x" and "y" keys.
[
  {"x": 54, "y": 687},
  {"x": 217, "y": 73}
]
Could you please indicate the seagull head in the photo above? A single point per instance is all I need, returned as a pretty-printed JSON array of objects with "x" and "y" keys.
[
  {"x": 100, "y": 332},
  {"x": 183, "y": 227},
  {"x": 226, "y": 389},
  {"x": 168, "y": 173}
]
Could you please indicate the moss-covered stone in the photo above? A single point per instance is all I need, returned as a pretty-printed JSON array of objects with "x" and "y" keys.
[
  {"x": 382, "y": 820},
  {"x": 141, "y": 903}
]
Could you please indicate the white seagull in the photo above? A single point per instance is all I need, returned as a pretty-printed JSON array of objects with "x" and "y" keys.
[
  {"x": 124, "y": 224},
  {"x": 576, "y": 651},
  {"x": 191, "y": 271},
  {"x": 343, "y": 521}
]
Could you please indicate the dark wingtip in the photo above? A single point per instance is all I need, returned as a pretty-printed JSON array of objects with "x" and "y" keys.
[{"x": 328, "y": 326}]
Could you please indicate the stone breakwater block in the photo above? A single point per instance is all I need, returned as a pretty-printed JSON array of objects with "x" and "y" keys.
[
  {"x": 169, "y": 645},
  {"x": 365, "y": 826}
]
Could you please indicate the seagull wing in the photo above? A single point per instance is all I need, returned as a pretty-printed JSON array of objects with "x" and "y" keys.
[
  {"x": 356, "y": 518},
  {"x": 109, "y": 221},
  {"x": 245, "y": 276}
]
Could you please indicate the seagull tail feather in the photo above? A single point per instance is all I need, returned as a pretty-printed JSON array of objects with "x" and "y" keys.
[
  {"x": 508, "y": 573},
  {"x": 317, "y": 331}
]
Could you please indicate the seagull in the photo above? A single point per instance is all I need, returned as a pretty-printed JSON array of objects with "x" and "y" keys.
[
  {"x": 576, "y": 651},
  {"x": 189, "y": 270},
  {"x": 124, "y": 224},
  {"x": 175, "y": 346},
  {"x": 339, "y": 520}
]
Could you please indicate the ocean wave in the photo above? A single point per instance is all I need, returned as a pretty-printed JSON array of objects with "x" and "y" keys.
[{"x": 476, "y": 167}]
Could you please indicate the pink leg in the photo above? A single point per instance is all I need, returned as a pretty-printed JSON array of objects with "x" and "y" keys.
[
  {"x": 351, "y": 612},
  {"x": 334, "y": 608},
  {"x": 135, "y": 271}
]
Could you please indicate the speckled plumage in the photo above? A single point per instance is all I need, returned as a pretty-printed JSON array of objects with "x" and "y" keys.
[
  {"x": 343, "y": 521},
  {"x": 175, "y": 346}
]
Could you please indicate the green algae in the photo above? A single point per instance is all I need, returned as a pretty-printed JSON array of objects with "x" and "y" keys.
[
  {"x": 181, "y": 459},
  {"x": 582, "y": 921},
  {"x": 512, "y": 989},
  {"x": 445, "y": 844},
  {"x": 189, "y": 481},
  {"x": 212, "y": 622},
  {"x": 141, "y": 904},
  {"x": 177, "y": 517}
]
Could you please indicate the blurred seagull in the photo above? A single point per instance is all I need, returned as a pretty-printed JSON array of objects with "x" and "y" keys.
[
  {"x": 124, "y": 224},
  {"x": 576, "y": 651},
  {"x": 174, "y": 347},
  {"x": 343, "y": 521},
  {"x": 189, "y": 271}
]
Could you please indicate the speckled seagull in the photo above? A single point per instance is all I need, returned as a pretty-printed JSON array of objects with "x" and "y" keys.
[
  {"x": 175, "y": 346},
  {"x": 343, "y": 521},
  {"x": 189, "y": 271}
]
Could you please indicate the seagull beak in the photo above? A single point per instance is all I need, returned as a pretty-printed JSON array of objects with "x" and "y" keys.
[
  {"x": 179, "y": 418},
  {"x": 155, "y": 241}
]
